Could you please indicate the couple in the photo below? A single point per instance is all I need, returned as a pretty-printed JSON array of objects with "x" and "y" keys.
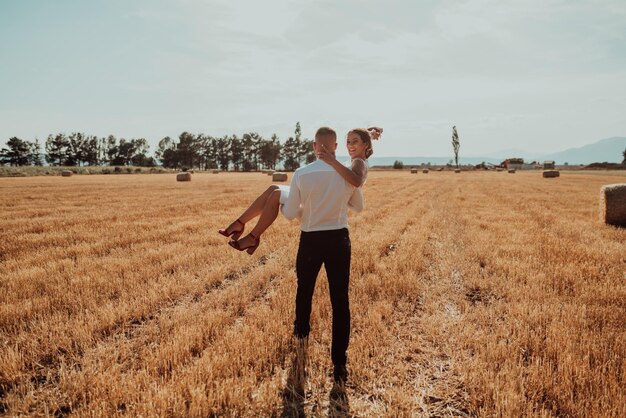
[{"x": 320, "y": 195}]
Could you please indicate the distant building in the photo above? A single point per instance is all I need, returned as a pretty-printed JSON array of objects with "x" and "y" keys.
[
  {"x": 548, "y": 165},
  {"x": 513, "y": 163}
]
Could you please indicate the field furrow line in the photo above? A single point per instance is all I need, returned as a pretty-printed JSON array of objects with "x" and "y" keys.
[
  {"x": 189, "y": 342},
  {"x": 47, "y": 367}
]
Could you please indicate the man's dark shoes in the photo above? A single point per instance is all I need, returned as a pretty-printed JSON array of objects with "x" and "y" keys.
[{"x": 340, "y": 375}]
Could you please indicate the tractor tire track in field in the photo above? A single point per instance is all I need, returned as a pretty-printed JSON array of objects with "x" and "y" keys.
[{"x": 434, "y": 356}]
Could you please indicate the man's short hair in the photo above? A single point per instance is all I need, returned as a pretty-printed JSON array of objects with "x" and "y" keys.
[{"x": 325, "y": 131}]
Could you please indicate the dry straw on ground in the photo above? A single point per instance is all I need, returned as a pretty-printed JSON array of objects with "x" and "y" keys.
[
  {"x": 279, "y": 177},
  {"x": 613, "y": 204},
  {"x": 462, "y": 304},
  {"x": 184, "y": 176},
  {"x": 551, "y": 173}
]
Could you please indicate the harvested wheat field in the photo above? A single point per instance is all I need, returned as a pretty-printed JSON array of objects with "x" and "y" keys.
[{"x": 471, "y": 295}]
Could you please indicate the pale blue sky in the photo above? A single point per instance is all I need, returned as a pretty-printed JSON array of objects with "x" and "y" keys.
[{"x": 540, "y": 75}]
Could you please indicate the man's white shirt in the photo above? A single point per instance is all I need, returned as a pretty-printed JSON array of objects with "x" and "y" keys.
[{"x": 321, "y": 197}]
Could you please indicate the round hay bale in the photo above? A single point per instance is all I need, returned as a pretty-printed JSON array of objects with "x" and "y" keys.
[
  {"x": 551, "y": 173},
  {"x": 456, "y": 170},
  {"x": 216, "y": 171},
  {"x": 440, "y": 169},
  {"x": 499, "y": 169},
  {"x": 279, "y": 177},
  {"x": 613, "y": 204},
  {"x": 185, "y": 176},
  {"x": 413, "y": 171},
  {"x": 511, "y": 171},
  {"x": 425, "y": 171},
  {"x": 66, "y": 173}
]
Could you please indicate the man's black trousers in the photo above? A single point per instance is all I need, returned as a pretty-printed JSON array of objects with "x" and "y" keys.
[{"x": 333, "y": 250}]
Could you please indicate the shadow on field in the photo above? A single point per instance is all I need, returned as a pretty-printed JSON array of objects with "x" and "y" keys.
[
  {"x": 338, "y": 405},
  {"x": 293, "y": 402},
  {"x": 295, "y": 391}
]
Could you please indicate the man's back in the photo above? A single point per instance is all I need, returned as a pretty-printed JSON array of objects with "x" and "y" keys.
[{"x": 323, "y": 196}]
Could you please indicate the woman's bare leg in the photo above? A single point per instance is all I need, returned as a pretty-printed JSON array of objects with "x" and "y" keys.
[
  {"x": 268, "y": 216},
  {"x": 257, "y": 206},
  {"x": 253, "y": 211}
]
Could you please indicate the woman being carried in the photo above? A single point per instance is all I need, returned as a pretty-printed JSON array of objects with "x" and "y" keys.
[{"x": 359, "y": 144}]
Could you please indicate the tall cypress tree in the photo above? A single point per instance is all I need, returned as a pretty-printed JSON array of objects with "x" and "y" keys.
[{"x": 455, "y": 145}]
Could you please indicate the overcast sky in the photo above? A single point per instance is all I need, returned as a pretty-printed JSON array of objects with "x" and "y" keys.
[{"x": 539, "y": 75}]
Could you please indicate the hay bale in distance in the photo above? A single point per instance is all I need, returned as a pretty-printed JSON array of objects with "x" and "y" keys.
[
  {"x": 425, "y": 171},
  {"x": 499, "y": 169},
  {"x": 66, "y": 173},
  {"x": 613, "y": 204},
  {"x": 440, "y": 169},
  {"x": 184, "y": 176},
  {"x": 216, "y": 171},
  {"x": 511, "y": 171},
  {"x": 279, "y": 177},
  {"x": 413, "y": 171},
  {"x": 457, "y": 170},
  {"x": 549, "y": 165},
  {"x": 551, "y": 173}
]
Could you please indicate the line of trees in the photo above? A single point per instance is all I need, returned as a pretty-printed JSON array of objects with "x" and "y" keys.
[
  {"x": 77, "y": 149},
  {"x": 246, "y": 153},
  {"x": 21, "y": 153}
]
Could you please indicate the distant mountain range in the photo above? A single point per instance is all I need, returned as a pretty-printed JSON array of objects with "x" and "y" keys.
[{"x": 606, "y": 150}]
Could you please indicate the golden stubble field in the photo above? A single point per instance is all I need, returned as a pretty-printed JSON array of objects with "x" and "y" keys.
[{"x": 472, "y": 294}]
